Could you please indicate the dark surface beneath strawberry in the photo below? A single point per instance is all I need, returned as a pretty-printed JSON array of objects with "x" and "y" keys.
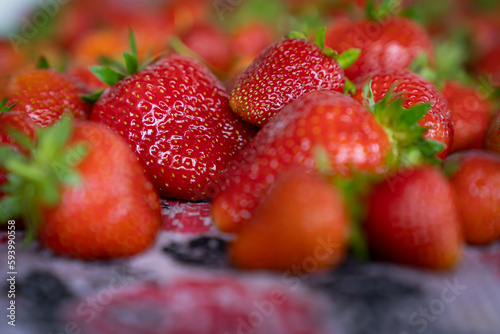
[{"x": 139, "y": 294}]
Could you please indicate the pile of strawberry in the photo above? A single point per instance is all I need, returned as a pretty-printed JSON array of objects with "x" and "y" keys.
[{"x": 364, "y": 138}]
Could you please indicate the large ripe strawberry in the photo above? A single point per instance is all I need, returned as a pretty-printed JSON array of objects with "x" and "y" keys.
[
  {"x": 412, "y": 219},
  {"x": 353, "y": 137},
  {"x": 414, "y": 89},
  {"x": 470, "y": 115},
  {"x": 388, "y": 44},
  {"x": 492, "y": 136},
  {"x": 175, "y": 115},
  {"x": 82, "y": 192},
  {"x": 283, "y": 72},
  {"x": 300, "y": 218},
  {"x": 475, "y": 177},
  {"x": 46, "y": 95},
  {"x": 217, "y": 304}
]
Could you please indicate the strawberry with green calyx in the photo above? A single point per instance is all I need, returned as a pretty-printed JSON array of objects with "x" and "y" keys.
[
  {"x": 175, "y": 115},
  {"x": 409, "y": 146},
  {"x": 386, "y": 42},
  {"x": 469, "y": 100},
  {"x": 355, "y": 139},
  {"x": 46, "y": 95},
  {"x": 285, "y": 71},
  {"x": 413, "y": 219},
  {"x": 81, "y": 192},
  {"x": 414, "y": 90},
  {"x": 492, "y": 135},
  {"x": 475, "y": 177}
]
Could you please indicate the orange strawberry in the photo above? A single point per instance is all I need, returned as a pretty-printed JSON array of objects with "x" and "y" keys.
[{"x": 302, "y": 222}]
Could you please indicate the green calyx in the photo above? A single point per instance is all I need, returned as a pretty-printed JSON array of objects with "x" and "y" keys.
[
  {"x": 345, "y": 59},
  {"x": 451, "y": 57},
  {"x": 4, "y": 107},
  {"x": 112, "y": 71},
  {"x": 354, "y": 190},
  {"x": 34, "y": 181},
  {"x": 387, "y": 8},
  {"x": 42, "y": 63},
  {"x": 409, "y": 147}
]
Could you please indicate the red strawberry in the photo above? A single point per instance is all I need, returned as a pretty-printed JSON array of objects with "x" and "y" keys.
[
  {"x": 385, "y": 45},
  {"x": 13, "y": 120},
  {"x": 46, "y": 95},
  {"x": 90, "y": 198},
  {"x": 415, "y": 90},
  {"x": 16, "y": 120},
  {"x": 351, "y": 135},
  {"x": 175, "y": 115},
  {"x": 490, "y": 66},
  {"x": 219, "y": 305},
  {"x": 492, "y": 136},
  {"x": 475, "y": 177},
  {"x": 211, "y": 44},
  {"x": 301, "y": 218},
  {"x": 412, "y": 219},
  {"x": 251, "y": 39},
  {"x": 283, "y": 72},
  {"x": 470, "y": 114}
]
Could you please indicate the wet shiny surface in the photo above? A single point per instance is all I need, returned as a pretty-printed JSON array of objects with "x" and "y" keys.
[
  {"x": 347, "y": 130},
  {"x": 176, "y": 116},
  {"x": 283, "y": 72}
]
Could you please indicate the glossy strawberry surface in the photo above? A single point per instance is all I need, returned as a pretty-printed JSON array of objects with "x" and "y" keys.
[
  {"x": 385, "y": 45},
  {"x": 283, "y": 72},
  {"x": 176, "y": 117},
  {"x": 45, "y": 95},
  {"x": 414, "y": 89},
  {"x": 348, "y": 131}
]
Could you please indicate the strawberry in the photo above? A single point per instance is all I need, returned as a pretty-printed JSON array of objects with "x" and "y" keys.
[
  {"x": 20, "y": 122},
  {"x": 389, "y": 44},
  {"x": 82, "y": 192},
  {"x": 175, "y": 115},
  {"x": 489, "y": 66},
  {"x": 283, "y": 72},
  {"x": 251, "y": 39},
  {"x": 300, "y": 217},
  {"x": 211, "y": 44},
  {"x": 412, "y": 219},
  {"x": 219, "y": 304},
  {"x": 46, "y": 95},
  {"x": 353, "y": 137},
  {"x": 470, "y": 114},
  {"x": 492, "y": 136},
  {"x": 475, "y": 177},
  {"x": 415, "y": 90},
  {"x": 14, "y": 119}
]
